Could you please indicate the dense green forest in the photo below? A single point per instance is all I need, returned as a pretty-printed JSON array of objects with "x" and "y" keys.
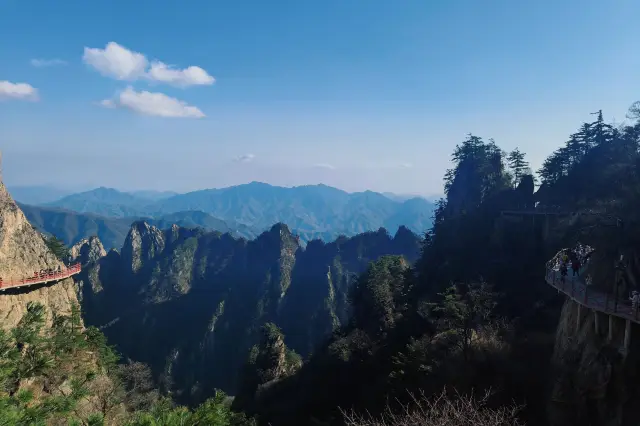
[
  {"x": 474, "y": 315},
  {"x": 464, "y": 336}
]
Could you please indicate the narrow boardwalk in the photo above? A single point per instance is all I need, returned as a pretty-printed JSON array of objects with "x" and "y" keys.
[
  {"x": 38, "y": 278},
  {"x": 591, "y": 298}
]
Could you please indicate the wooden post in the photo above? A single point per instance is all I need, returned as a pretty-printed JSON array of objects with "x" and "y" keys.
[
  {"x": 578, "y": 317},
  {"x": 586, "y": 289},
  {"x": 627, "y": 335},
  {"x": 572, "y": 288},
  {"x": 545, "y": 232},
  {"x": 610, "y": 334}
]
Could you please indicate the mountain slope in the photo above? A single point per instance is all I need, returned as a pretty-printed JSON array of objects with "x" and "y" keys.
[
  {"x": 72, "y": 227},
  {"x": 103, "y": 201},
  {"x": 153, "y": 195},
  {"x": 313, "y": 211},
  {"x": 37, "y": 194},
  {"x": 199, "y": 219},
  {"x": 184, "y": 300}
]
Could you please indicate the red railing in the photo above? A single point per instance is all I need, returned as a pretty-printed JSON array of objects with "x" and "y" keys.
[
  {"x": 575, "y": 288},
  {"x": 39, "y": 278}
]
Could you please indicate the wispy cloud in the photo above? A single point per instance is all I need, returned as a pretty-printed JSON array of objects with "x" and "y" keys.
[
  {"x": 41, "y": 63},
  {"x": 189, "y": 76},
  {"x": 246, "y": 158},
  {"x": 107, "y": 103},
  {"x": 22, "y": 91},
  {"x": 118, "y": 62},
  {"x": 153, "y": 104},
  {"x": 324, "y": 166},
  {"x": 389, "y": 165}
]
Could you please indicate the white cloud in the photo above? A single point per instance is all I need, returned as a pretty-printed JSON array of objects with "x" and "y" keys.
[
  {"x": 324, "y": 166},
  {"x": 153, "y": 104},
  {"x": 190, "y": 76},
  {"x": 41, "y": 63},
  {"x": 116, "y": 61},
  {"x": 246, "y": 158},
  {"x": 107, "y": 103},
  {"x": 406, "y": 165},
  {"x": 24, "y": 91}
]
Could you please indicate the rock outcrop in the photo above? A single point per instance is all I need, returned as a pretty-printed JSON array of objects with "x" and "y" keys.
[
  {"x": 88, "y": 250},
  {"x": 594, "y": 382},
  {"x": 269, "y": 361},
  {"x": 23, "y": 252}
]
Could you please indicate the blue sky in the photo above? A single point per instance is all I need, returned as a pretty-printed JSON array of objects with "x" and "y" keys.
[{"x": 365, "y": 94}]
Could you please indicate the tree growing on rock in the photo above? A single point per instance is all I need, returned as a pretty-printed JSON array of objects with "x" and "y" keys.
[
  {"x": 57, "y": 247},
  {"x": 518, "y": 166}
]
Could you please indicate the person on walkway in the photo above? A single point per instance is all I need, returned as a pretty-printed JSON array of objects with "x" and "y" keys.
[
  {"x": 575, "y": 266},
  {"x": 563, "y": 272},
  {"x": 635, "y": 298}
]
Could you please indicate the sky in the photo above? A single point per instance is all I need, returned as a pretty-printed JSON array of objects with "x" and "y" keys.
[{"x": 356, "y": 94}]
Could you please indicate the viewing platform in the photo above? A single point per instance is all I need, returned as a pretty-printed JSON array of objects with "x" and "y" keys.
[{"x": 40, "y": 278}]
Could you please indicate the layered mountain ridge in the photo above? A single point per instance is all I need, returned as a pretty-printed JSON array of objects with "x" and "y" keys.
[
  {"x": 312, "y": 211},
  {"x": 184, "y": 300}
]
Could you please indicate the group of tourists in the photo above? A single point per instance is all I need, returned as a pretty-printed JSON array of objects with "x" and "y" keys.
[
  {"x": 575, "y": 259},
  {"x": 48, "y": 271}
]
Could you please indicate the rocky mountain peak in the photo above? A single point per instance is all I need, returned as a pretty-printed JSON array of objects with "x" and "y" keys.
[
  {"x": 87, "y": 250},
  {"x": 142, "y": 243}
]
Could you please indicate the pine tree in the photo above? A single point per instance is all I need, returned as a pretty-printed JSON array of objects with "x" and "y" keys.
[
  {"x": 57, "y": 247},
  {"x": 519, "y": 167}
]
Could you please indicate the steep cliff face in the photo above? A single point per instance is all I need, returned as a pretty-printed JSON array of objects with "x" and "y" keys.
[
  {"x": 186, "y": 300},
  {"x": 142, "y": 243},
  {"x": 594, "y": 381},
  {"x": 23, "y": 252}
]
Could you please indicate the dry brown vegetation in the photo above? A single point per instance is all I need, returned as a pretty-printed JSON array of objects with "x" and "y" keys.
[{"x": 442, "y": 410}]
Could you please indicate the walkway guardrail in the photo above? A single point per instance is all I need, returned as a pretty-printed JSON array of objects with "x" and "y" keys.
[
  {"x": 579, "y": 291},
  {"x": 41, "y": 278}
]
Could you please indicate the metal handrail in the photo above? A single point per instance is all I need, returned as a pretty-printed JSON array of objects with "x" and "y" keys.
[
  {"x": 39, "y": 278},
  {"x": 601, "y": 301}
]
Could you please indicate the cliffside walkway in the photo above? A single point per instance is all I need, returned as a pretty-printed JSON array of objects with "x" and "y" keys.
[
  {"x": 587, "y": 296},
  {"x": 600, "y": 302},
  {"x": 40, "y": 278}
]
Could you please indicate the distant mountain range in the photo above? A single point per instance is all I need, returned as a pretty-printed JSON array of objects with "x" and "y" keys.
[
  {"x": 72, "y": 227},
  {"x": 37, "y": 194},
  {"x": 311, "y": 211}
]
